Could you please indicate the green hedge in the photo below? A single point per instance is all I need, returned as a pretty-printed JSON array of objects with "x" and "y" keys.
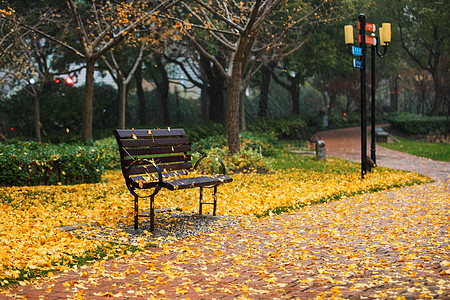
[
  {"x": 261, "y": 142},
  {"x": 200, "y": 131},
  {"x": 255, "y": 149},
  {"x": 30, "y": 163},
  {"x": 423, "y": 125},
  {"x": 109, "y": 151},
  {"x": 281, "y": 128}
]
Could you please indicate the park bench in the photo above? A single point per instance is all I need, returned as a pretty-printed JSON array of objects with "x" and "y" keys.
[
  {"x": 161, "y": 158},
  {"x": 381, "y": 136}
]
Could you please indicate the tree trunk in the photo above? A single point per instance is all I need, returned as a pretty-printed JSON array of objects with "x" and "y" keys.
[
  {"x": 215, "y": 86},
  {"x": 333, "y": 102},
  {"x": 264, "y": 95},
  {"x": 37, "y": 118},
  {"x": 440, "y": 94},
  {"x": 232, "y": 116},
  {"x": 141, "y": 96},
  {"x": 242, "y": 110},
  {"x": 295, "y": 94},
  {"x": 216, "y": 100},
  {"x": 122, "y": 89},
  {"x": 86, "y": 129},
  {"x": 292, "y": 88},
  {"x": 204, "y": 99},
  {"x": 394, "y": 95},
  {"x": 162, "y": 85},
  {"x": 204, "y": 104}
]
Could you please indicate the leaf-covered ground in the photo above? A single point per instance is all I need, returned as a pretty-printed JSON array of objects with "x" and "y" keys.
[
  {"x": 30, "y": 217},
  {"x": 385, "y": 245}
]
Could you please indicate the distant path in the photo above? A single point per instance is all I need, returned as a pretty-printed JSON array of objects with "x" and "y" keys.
[{"x": 345, "y": 143}]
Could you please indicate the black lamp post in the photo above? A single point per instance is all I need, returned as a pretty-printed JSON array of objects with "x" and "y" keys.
[
  {"x": 385, "y": 38},
  {"x": 381, "y": 41}
]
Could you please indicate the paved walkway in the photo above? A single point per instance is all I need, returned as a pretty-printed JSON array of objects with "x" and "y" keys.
[
  {"x": 378, "y": 246},
  {"x": 346, "y": 143}
]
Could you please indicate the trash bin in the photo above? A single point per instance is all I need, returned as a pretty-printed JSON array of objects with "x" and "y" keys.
[{"x": 320, "y": 150}]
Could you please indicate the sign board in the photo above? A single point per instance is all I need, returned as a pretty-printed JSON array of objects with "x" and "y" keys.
[
  {"x": 369, "y": 40},
  {"x": 357, "y": 51},
  {"x": 357, "y": 63},
  {"x": 369, "y": 27}
]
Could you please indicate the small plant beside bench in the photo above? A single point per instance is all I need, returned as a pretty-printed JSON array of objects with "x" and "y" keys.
[{"x": 160, "y": 158}]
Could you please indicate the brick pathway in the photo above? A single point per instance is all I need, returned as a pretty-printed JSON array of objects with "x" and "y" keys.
[
  {"x": 383, "y": 245},
  {"x": 346, "y": 143}
]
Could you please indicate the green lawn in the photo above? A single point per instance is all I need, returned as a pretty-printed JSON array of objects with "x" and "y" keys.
[{"x": 435, "y": 151}]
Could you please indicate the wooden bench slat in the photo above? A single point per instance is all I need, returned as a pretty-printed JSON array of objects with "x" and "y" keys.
[
  {"x": 144, "y": 133},
  {"x": 161, "y": 159},
  {"x": 159, "y": 150},
  {"x": 164, "y": 168},
  {"x": 152, "y": 179},
  {"x": 184, "y": 183},
  {"x": 201, "y": 181},
  {"x": 154, "y": 142}
]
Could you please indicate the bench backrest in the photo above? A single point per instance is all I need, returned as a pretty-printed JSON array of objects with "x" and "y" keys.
[{"x": 168, "y": 148}]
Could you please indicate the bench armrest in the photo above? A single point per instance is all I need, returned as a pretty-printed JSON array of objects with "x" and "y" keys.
[
  {"x": 137, "y": 162},
  {"x": 204, "y": 155}
]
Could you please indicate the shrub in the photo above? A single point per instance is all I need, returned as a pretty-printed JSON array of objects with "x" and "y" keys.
[
  {"x": 202, "y": 130},
  {"x": 262, "y": 142},
  {"x": 30, "y": 163},
  {"x": 247, "y": 160},
  {"x": 283, "y": 129},
  {"x": 338, "y": 120},
  {"x": 253, "y": 155},
  {"x": 110, "y": 152},
  {"x": 422, "y": 125}
]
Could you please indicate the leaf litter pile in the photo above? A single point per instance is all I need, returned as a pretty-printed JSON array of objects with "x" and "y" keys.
[{"x": 340, "y": 244}]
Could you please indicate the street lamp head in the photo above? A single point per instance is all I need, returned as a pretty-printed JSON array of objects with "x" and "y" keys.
[
  {"x": 382, "y": 42},
  {"x": 385, "y": 33},
  {"x": 348, "y": 29}
]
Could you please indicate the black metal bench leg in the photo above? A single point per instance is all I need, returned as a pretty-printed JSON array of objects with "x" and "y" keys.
[
  {"x": 136, "y": 212},
  {"x": 201, "y": 199},
  {"x": 152, "y": 213},
  {"x": 215, "y": 200}
]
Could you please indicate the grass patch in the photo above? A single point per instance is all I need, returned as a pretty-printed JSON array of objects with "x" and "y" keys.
[{"x": 434, "y": 151}]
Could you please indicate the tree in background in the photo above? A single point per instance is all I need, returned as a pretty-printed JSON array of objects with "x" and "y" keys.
[
  {"x": 117, "y": 21},
  {"x": 244, "y": 31},
  {"x": 423, "y": 35},
  {"x": 99, "y": 27},
  {"x": 29, "y": 59}
]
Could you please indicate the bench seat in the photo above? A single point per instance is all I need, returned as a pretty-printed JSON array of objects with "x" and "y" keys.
[{"x": 183, "y": 183}]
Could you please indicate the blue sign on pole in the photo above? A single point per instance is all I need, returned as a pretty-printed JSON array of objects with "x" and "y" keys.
[
  {"x": 357, "y": 63},
  {"x": 357, "y": 51}
]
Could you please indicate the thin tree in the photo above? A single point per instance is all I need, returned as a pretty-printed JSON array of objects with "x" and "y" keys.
[
  {"x": 119, "y": 20},
  {"x": 249, "y": 33}
]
